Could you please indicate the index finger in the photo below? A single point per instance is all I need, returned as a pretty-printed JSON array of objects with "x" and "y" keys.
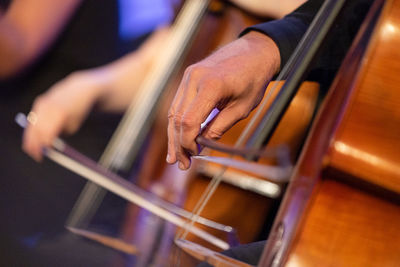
[
  {"x": 174, "y": 119},
  {"x": 195, "y": 114}
]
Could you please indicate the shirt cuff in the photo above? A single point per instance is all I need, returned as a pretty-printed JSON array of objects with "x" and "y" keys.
[{"x": 286, "y": 33}]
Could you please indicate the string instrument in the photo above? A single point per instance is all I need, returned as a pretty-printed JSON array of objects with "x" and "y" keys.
[
  {"x": 131, "y": 133},
  {"x": 127, "y": 140},
  {"x": 342, "y": 206},
  {"x": 141, "y": 132},
  {"x": 145, "y": 122},
  {"x": 246, "y": 200},
  {"x": 136, "y": 124},
  {"x": 225, "y": 26},
  {"x": 183, "y": 188},
  {"x": 346, "y": 187},
  {"x": 243, "y": 209},
  {"x": 215, "y": 30}
]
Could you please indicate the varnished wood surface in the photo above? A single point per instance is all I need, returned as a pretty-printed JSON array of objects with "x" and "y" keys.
[
  {"x": 346, "y": 225},
  {"x": 230, "y": 205},
  {"x": 244, "y": 210},
  {"x": 358, "y": 228},
  {"x": 152, "y": 236},
  {"x": 306, "y": 174},
  {"x": 367, "y": 144},
  {"x": 297, "y": 119},
  {"x": 323, "y": 222}
]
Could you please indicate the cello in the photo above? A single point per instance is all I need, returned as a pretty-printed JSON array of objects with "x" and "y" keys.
[
  {"x": 156, "y": 140},
  {"x": 168, "y": 185},
  {"x": 346, "y": 186},
  {"x": 260, "y": 203},
  {"x": 342, "y": 206}
]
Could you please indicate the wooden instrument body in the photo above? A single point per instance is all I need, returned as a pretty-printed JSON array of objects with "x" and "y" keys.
[
  {"x": 216, "y": 29},
  {"x": 152, "y": 235},
  {"x": 251, "y": 209},
  {"x": 242, "y": 207},
  {"x": 342, "y": 207}
]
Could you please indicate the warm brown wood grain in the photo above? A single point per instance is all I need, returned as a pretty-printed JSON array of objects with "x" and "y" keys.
[
  {"x": 153, "y": 236},
  {"x": 294, "y": 123},
  {"x": 307, "y": 173},
  {"x": 367, "y": 144},
  {"x": 327, "y": 218},
  {"x": 230, "y": 204},
  {"x": 346, "y": 226}
]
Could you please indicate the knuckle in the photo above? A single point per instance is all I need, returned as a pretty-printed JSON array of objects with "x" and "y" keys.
[
  {"x": 187, "y": 123},
  {"x": 243, "y": 114},
  {"x": 194, "y": 71},
  {"x": 242, "y": 111},
  {"x": 189, "y": 70},
  {"x": 171, "y": 113},
  {"x": 214, "y": 134},
  {"x": 212, "y": 82},
  {"x": 177, "y": 119}
]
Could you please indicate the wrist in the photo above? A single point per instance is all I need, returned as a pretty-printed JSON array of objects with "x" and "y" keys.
[
  {"x": 267, "y": 49},
  {"x": 101, "y": 80}
]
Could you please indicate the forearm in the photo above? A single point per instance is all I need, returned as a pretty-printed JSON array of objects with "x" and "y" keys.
[
  {"x": 122, "y": 80},
  {"x": 27, "y": 29},
  {"x": 11, "y": 44},
  {"x": 124, "y": 77}
]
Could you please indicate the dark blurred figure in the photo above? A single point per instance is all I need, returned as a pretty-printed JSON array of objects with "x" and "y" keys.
[{"x": 41, "y": 42}]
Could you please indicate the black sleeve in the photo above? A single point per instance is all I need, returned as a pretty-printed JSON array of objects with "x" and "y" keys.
[{"x": 288, "y": 31}]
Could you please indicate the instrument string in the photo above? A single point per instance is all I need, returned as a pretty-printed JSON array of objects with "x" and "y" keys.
[
  {"x": 297, "y": 64},
  {"x": 132, "y": 130}
]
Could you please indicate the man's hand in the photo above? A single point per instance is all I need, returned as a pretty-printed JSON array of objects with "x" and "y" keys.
[{"x": 233, "y": 80}]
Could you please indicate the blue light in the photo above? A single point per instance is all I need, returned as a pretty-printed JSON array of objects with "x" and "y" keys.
[{"x": 138, "y": 17}]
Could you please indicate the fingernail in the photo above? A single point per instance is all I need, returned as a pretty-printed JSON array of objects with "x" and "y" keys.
[
  {"x": 181, "y": 166},
  {"x": 168, "y": 158}
]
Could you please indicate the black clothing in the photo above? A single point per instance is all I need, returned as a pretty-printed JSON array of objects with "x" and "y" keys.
[
  {"x": 31, "y": 193},
  {"x": 288, "y": 31},
  {"x": 35, "y": 199}
]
